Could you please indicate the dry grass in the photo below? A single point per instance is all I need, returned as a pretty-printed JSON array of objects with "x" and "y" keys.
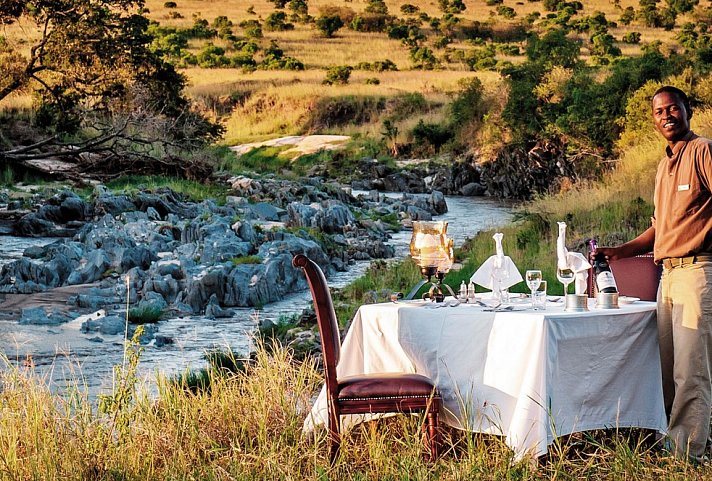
[
  {"x": 294, "y": 95},
  {"x": 249, "y": 426}
]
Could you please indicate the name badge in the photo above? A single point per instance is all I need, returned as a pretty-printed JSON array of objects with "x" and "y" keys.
[{"x": 683, "y": 187}]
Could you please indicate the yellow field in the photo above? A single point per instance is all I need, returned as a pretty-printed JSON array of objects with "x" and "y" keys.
[{"x": 281, "y": 101}]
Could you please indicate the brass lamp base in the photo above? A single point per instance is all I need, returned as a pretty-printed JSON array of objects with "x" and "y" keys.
[{"x": 435, "y": 293}]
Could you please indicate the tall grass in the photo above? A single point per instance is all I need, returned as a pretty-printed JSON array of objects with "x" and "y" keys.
[{"x": 248, "y": 425}]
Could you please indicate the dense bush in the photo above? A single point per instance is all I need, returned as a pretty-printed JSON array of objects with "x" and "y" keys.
[
  {"x": 430, "y": 137},
  {"x": 338, "y": 75},
  {"x": 329, "y": 24},
  {"x": 277, "y": 21},
  {"x": 371, "y": 22}
]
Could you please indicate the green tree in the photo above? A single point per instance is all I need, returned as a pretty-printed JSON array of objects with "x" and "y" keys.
[
  {"x": 376, "y": 6},
  {"x": 93, "y": 67},
  {"x": 329, "y": 24},
  {"x": 277, "y": 21}
]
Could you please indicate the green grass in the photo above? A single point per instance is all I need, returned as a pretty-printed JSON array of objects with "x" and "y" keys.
[
  {"x": 236, "y": 261},
  {"x": 145, "y": 315},
  {"x": 193, "y": 190}
]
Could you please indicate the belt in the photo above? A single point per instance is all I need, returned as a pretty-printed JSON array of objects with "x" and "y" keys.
[{"x": 672, "y": 262}]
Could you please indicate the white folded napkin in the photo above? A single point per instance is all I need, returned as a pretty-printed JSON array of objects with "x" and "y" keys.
[
  {"x": 497, "y": 265},
  {"x": 575, "y": 261}
]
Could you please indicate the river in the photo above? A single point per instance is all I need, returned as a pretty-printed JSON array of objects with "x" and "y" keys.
[{"x": 65, "y": 355}]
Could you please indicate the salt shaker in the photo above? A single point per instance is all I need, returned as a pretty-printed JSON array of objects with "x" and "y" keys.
[
  {"x": 471, "y": 291},
  {"x": 463, "y": 291}
]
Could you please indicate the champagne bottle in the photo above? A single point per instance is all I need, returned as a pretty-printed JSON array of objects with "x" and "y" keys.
[{"x": 605, "y": 282}]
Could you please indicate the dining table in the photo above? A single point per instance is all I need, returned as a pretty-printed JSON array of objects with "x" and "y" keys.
[{"x": 527, "y": 375}]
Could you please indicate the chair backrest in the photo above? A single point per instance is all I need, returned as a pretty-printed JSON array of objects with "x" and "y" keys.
[
  {"x": 325, "y": 315},
  {"x": 637, "y": 276}
]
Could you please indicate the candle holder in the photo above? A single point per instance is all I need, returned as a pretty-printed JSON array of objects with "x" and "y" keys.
[{"x": 432, "y": 251}]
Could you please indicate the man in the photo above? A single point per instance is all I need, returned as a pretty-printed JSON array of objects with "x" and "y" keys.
[{"x": 681, "y": 240}]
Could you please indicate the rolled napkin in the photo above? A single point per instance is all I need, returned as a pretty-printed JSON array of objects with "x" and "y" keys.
[
  {"x": 497, "y": 266},
  {"x": 575, "y": 261}
]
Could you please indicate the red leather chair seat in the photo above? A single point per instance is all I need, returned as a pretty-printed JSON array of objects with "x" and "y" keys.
[{"x": 385, "y": 385}]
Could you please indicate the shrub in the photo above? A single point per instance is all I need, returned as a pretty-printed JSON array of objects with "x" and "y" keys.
[
  {"x": 242, "y": 60},
  {"x": 212, "y": 56},
  {"x": 201, "y": 29},
  {"x": 346, "y": 14},
  {"x": 372, "y": 81},
  {"x": 170, "y": 5},
  {"x": 371, "y": 22},
  {"x": 506, "y": 12},
  {"x": 423, "y": 58},
  {"x": 252, "y": 28},
  {"x": 431, "y": 134},
  {"x": 329, "y": 24},
  {"x": 409, "y": 9},
  {"x": 276, "y": 60},
  {"x": 376, "y": 6},
  {"x": 631, "y": 37},
  {"x": 338, "y": 75},
  {"x": 145, "y": 315}
]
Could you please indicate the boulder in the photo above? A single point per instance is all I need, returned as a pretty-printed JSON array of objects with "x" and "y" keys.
[
  {"x": 38, "y": 316},
  {"x": 267, "y": 211},
  {"x": 96, "y": 264},
  {"x": 113, "y": 204},
  {"x": 138, "y": 256}
]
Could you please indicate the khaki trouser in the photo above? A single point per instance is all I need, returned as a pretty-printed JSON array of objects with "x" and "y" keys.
[{"x": 685, "y": 335}]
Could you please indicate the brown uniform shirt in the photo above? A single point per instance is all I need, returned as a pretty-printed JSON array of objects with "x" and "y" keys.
[{"x": 683, "y": 199}]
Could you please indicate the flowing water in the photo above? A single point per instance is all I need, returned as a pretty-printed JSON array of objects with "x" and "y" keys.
[{"x": 66, "y": 355}]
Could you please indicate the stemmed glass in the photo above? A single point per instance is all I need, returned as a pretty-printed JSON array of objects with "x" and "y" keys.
[
  {"x": 533, "y": 279},
  {"x": 566, "y": 277}
]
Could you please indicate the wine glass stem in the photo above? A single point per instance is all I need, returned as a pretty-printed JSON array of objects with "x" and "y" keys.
[{"x": 533, "y": 303}]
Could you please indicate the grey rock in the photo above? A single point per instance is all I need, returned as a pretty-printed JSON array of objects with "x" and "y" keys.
[
  {"x": 139, "y": 256},
  {"x": 161, "y": 340},
  {"x": 113, "y": 204},
  {"x": 109, "y": 325},
  {"x": 473, "y": 189},
  {"x": 153, "y": 214},
  {"x": 214, "y": 310},
  {"x": 267, "y": 211},
  {"x": 96, "y": 265}
]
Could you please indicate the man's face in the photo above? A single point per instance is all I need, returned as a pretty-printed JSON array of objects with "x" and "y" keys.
[{"x": 670, "y": 116}]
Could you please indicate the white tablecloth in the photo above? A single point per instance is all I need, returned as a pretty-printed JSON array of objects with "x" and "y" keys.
[{"x": 527, "y": 375}]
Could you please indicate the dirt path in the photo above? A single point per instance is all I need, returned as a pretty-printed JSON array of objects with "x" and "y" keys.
[{"x": 301, "y": 144}]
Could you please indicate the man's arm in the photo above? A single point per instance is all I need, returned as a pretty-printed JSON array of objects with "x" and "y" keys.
[{"x": 640, "y": 245}]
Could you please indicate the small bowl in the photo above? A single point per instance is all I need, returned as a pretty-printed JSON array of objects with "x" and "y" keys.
[
  {"x": 607, "y": 300},
  {"x": 576, "y": 303}
]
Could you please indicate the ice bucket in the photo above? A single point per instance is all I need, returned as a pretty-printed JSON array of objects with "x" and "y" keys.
[
  {"x": 576, "y": 303},
  {"x": 607, "y": 300}
]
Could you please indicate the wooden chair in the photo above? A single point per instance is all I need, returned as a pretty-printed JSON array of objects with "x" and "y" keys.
[
  {"x": 637, "y": 276},
  {"x": 368, "y": 393}
]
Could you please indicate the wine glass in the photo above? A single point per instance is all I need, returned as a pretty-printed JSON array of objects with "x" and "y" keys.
[
  {"x": 533, "y": 279},
  {"x": 565, "y": 276}
]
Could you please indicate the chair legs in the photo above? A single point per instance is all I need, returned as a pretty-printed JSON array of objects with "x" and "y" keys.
[
  {"x": 334, "y": 436},
  {"x": 433, "y": 434}
]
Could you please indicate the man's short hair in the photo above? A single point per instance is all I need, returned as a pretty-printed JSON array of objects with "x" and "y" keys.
[{"x": 680, "y": 94}]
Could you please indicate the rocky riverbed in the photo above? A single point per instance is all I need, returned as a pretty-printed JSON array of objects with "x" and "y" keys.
[{"x": 205, "y": 267}]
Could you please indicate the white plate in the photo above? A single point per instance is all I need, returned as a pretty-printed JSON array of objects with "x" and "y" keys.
[{"x": 627, "y": 299}]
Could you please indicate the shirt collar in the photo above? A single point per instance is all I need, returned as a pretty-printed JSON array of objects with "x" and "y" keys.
[{"x": 678, "y": 146}]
